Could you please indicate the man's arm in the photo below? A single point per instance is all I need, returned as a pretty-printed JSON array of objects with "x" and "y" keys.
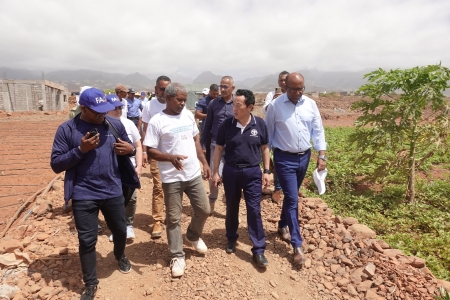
[
  {"x": 201, "y": 158},
  {"x": 270, "y": 123},
  {"x": 216, "y": 161},
  {"x": 266, "y": 163},
  {"x": 208, "y": 124},
  {"x": 175, "y": 159},
  {"x": 144, "y": 148},
  {"x": 138, "y": 157},
  {"x": 318, "y": 137},
  {"x": 62, "y": 158},
  {"x": 199, "y": 115}
]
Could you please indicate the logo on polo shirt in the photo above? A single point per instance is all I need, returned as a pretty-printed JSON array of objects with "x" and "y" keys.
[{"x": 254, "y": 132}]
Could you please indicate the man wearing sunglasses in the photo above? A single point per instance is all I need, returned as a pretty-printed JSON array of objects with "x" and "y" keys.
[
  {"x": 219, "y": 109},
  {"x": 152, "y": 108},
  {"x": 85, "y": 148},
  {"x": 121, "y": 92},
  {"x": 293, "y": 120},
  {"x": 134, "y": 108}
]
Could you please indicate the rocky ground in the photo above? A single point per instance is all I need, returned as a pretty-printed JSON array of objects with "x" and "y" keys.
[{"x": 345, "y": 260}]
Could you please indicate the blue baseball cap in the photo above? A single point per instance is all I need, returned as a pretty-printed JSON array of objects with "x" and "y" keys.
[
  {"x": 114, "y": 100},
  {"x": 95, "y": 99}
]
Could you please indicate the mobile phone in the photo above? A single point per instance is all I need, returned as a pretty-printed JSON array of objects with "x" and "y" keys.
[
  {"x": 92, "y": 132},
  {"x": 278, "y": 90}
]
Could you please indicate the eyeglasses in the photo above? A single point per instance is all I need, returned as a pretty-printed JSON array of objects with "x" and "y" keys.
[
  {"x": 296, "y": 90},
  {"x": 162, "y": 89},
  {"x": 118, "y": 107},
  {"x": 97, "y": 115},
  {"x": 225, "y": 87}
]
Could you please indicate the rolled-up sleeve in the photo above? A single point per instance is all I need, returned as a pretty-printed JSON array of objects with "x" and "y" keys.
[
  {"x": 318, "y": 133},
  {"x": 270, "y": 123}
]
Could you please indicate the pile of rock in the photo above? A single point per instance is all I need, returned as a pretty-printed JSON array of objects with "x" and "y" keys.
[{"x": 345, "y": 261}]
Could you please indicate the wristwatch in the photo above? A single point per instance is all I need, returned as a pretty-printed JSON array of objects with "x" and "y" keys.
[
  {"x": 267, "y": 171},
  {"x": 323, "y": 157},
  {"x": 134, "y": 152}
]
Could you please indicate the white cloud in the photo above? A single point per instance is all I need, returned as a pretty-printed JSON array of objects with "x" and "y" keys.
[{"x": 242, "y": 38}]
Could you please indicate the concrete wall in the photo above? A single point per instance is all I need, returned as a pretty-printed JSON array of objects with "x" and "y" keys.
[{"x": 31, "y": 95}]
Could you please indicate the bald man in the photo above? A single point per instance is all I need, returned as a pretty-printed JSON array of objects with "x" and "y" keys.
[{"x": 293, "y": 120}]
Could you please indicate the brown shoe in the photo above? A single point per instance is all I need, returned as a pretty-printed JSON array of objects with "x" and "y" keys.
[
  {"x": 284, "y": 233},
  {"x": 299, "y": 256},
  {"x": 157, "y": 230},
  {"x": 276, "y": 196}
]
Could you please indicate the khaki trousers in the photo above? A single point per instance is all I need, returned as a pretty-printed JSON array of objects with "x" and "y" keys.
[{"x": 158, "y": 196}]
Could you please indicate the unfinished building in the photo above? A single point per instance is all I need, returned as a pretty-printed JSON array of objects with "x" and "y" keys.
[{"x": 32, "y": 95}]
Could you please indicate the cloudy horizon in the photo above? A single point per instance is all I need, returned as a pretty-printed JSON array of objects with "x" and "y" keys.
[{"x": 241, "y": 38}]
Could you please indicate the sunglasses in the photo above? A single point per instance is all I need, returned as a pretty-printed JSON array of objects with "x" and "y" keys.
[
  {"x": 118, "y": 107},
  {"x": 97, "y": 115}
]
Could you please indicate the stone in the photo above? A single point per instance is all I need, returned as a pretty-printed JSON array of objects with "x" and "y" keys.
[
  {"x": 272, "y": 283},
  {"x": 317, "y": 254},
  {"x": 377, "y": 247},
  {"x": 36, "y": 276},
  {"x": 349, "y": 221},
  {"x": 7, "y": 291},
  {"x": 58, "y": 185},
  {"x": 42, "y": 237},
  {"x": 369, "y": 269},
  {"x": 45, "y": 207},
  {"x": 364, "y": 286},
  {"x": 383, "y": 244},
  {"x": 392, "y": 252},
  {"x": 418, "y": 262},
  {"x": 338, "y": 219},
  {"x": 328, "y": 285},
  {"x": 160, "y": 263},
  {"x": 275, "y": 295},
  {"x": 362, "y": 231},
  {"x": 351, "y": 290},
  {"x": 26, "y": 241},
  {"x": 444, "y": 284},
  {"x": 370, "y": 295},
  {"x": 9, "y": 245},
  {"x": 308, "y": 263},
  {"x": 343, "y": 282},
  {"x": 355, "y": 276}
]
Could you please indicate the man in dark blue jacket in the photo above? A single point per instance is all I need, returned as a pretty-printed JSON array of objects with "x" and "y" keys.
[{"x": 87, "y": 150}]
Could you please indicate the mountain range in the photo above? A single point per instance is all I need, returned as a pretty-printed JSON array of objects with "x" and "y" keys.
[{"x": 314, "y": 80}]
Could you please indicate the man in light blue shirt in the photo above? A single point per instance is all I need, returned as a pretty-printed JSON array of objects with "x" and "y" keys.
[
  {"x": 293, "y": 120},
  {"x": 134, "y": 108}
]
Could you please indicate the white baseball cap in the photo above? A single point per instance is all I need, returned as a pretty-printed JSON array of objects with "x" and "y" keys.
[{"x": 205, "y": 91}]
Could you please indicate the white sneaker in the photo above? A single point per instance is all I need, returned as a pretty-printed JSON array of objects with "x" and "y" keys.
[
  {"x": 178, "y": 266},
  {"x": 199, "y": 245},
  {"x": 111, "y": 238},
  {"x": 130, "y": 232}
]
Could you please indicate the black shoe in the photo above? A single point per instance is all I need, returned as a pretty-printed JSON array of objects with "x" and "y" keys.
[
  {"x": 124, "y": 265},
  {"x": 260, "y": 260},
  {"x": 230, "y": 247},
  {"x": 89, "y": 292}
]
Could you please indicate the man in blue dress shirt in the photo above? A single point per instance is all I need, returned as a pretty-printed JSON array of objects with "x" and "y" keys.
[
  {"x": 134, "y": 108},
  {"x": 293, "y": 120}
]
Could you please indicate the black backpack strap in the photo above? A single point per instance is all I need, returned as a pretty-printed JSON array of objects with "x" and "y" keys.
[{"x": 113, "y": 130}]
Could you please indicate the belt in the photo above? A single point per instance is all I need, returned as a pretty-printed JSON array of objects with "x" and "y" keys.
[
  {"x": 242, "y": 166},
  {"x": 293, "y": 153},
  {"x": 133, "y": 118}
]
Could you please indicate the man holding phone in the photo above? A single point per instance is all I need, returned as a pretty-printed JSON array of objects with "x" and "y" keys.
[{"x": 85, "y": 148}]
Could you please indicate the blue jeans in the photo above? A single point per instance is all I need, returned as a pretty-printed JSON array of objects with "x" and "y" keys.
[
  {"x": 291, "y": 171},
  {"x": 236, "y": 180},
  {"x": 85, "y": 213}
]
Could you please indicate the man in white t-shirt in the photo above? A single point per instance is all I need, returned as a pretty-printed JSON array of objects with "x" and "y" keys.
[
  {"x": 173, "y": 140},
  {"x": 152, "y": 108},
  {"x": 121, "y": 92},
  {"x": 135, "y": 137}
]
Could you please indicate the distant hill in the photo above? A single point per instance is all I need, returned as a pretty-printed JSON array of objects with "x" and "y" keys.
[{"x": 315, "y": 80}]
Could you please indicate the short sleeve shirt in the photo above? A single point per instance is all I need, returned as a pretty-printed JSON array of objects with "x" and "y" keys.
[
  {"x": 174, "y": 135},
  {"x": 242, "y": 145},
  {"x": 134, "y": 107},
  {"x": 152, "y": 108},
  {"x": 133, "y": 134}
]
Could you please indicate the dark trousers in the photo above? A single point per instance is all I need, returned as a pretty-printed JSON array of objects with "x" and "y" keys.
[
  {"x": 250, "y": 181},
  {"x": 85, "y": 213},
  {"x": 208, "y": 149},
  {"x": 135, "y": 120},
  {"x": 291, "y": 171}
]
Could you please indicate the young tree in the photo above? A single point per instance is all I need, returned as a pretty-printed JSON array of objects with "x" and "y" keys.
[{"x": 405, "y": 120}]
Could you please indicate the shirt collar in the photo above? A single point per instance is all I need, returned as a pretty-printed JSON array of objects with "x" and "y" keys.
[
  {"x": 252, "y": 121},
  {"x": 223, "y": 100}
]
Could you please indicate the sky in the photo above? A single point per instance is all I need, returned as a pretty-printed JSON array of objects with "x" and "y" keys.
[{"x": 241, "y": 38}]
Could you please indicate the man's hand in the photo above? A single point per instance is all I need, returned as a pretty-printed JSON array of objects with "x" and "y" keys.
[
  {"x": 123, "y": 148},
  {"x": 89, "y": 143},
  {"x": 176, "y": 161},
  {"x": 138, "y": 170},
  {"x": 265, "y": 180},
  {"x": 206, "y": 172},
  {"x": 216, "y": 179},
  {"x": 321, "y": 164},
  {"x": 144, "y": 159}
]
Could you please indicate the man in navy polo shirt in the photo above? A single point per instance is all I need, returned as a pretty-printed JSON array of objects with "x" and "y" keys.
[
  {"x": 85, "y": 148},
  {"x": 218, "y": 110},
  {"x": 244, "y": 137},
  {"x": 134, "y": 108}
]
